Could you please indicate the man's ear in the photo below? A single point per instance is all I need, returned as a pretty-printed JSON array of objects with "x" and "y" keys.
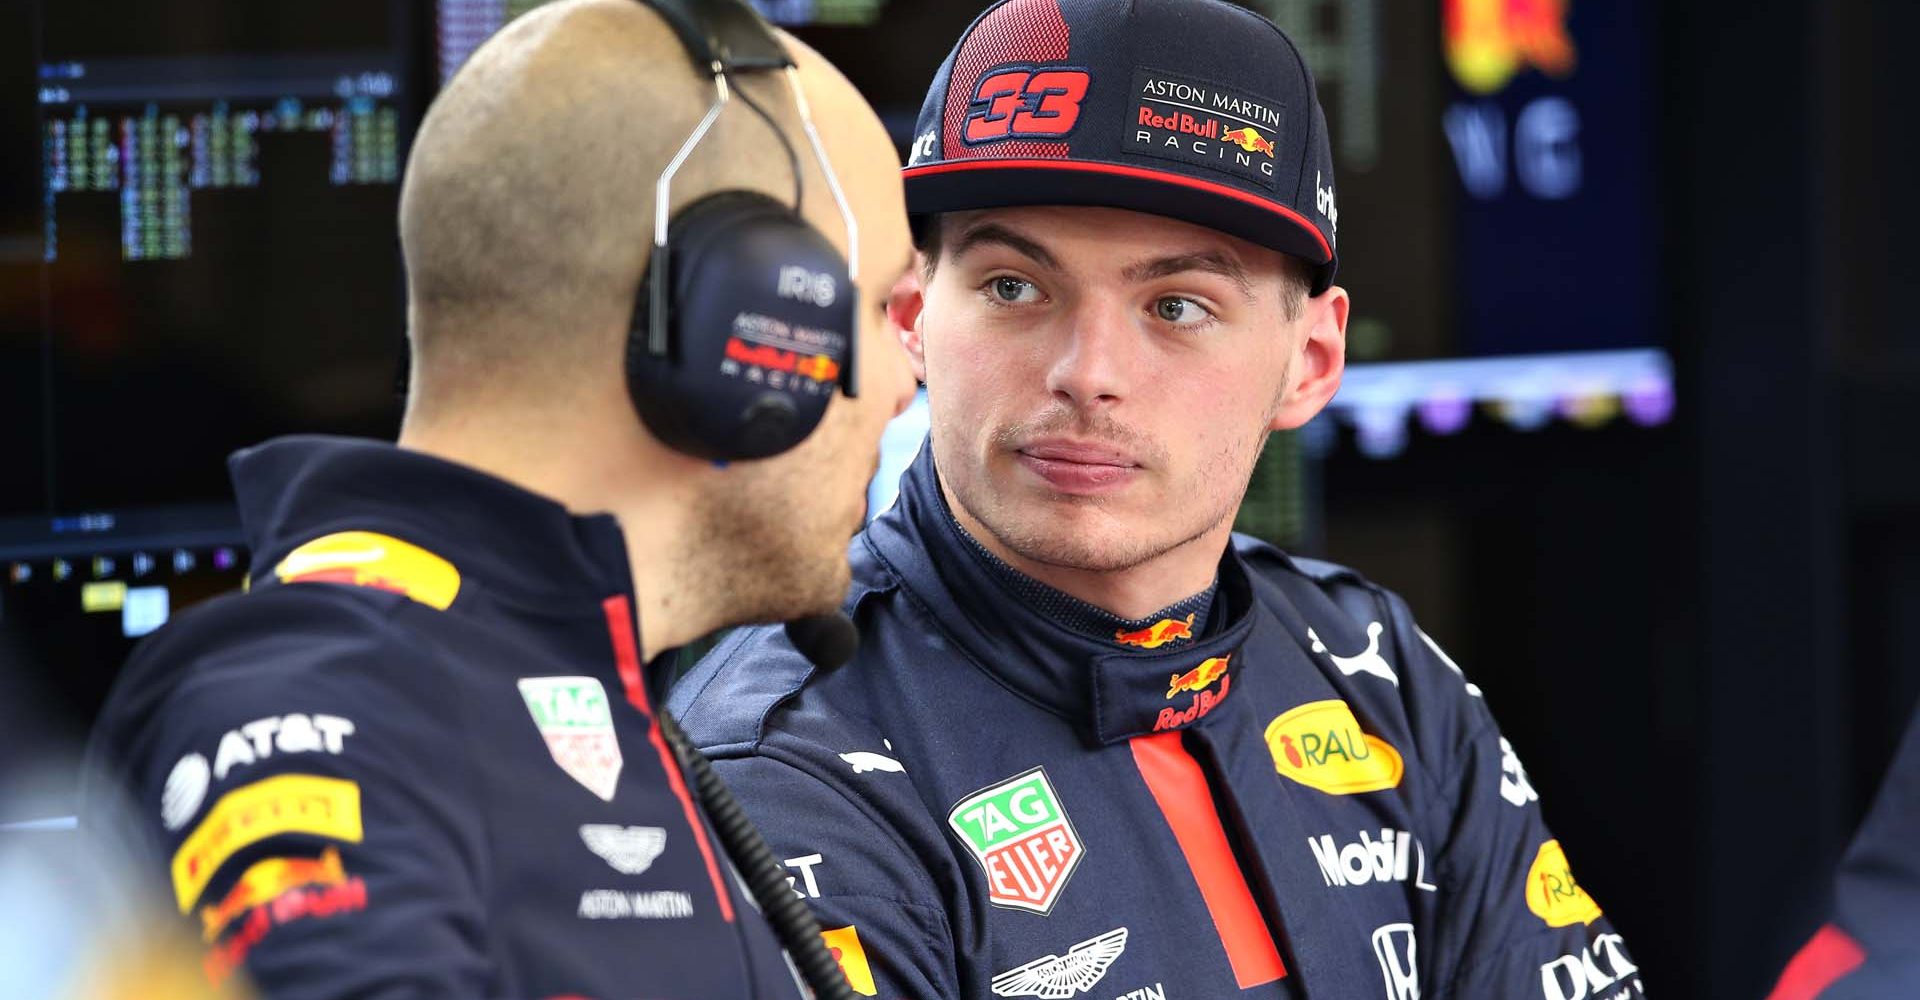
[
  {"x": 904, "y": 310},
  {"x": 1318, "y": 362}
]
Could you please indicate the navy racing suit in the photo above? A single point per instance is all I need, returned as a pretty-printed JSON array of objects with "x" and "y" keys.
[
  {"x": 418, "y": 760},
  {"x": 1870, "y": 950},
  {"x": 1304, "y": 798}
]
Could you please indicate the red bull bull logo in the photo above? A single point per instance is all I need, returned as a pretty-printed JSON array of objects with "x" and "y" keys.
[
  {"x": 267, "y": 880},
  {"x": 1200, "y": 677},
  {"x": 1158, "y": 634},
  {"x": 1488, "y": 41},
  {"x": 1250, "y": 140},
  {"x": 1196, "y": 710}
]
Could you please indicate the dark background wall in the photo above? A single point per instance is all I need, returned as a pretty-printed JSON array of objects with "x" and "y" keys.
[{"x": 1704, "y": 638}]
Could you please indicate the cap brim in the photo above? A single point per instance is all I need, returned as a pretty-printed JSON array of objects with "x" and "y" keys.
[{"x": 962, "y": 185}]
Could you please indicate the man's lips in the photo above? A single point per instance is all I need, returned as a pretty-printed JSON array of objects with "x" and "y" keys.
[{"x": 1078, "y": 466}]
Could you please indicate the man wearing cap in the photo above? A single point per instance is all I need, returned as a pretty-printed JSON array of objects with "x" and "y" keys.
[{"x": 1093, "y": 743}]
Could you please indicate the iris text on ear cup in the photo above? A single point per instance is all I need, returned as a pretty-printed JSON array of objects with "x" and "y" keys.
[{"x": 803, "y": 285}]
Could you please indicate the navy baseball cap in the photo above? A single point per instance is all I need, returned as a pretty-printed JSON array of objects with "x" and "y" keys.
[{"x": 1193, "y": 109}]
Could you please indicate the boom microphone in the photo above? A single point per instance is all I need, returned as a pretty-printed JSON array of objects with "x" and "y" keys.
[{"x": 827, "y": 641}]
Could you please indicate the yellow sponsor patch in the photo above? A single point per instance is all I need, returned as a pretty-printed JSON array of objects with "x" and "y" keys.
[
  {"x": 1553, "y": 895},
  {"x": 1320, "y": 745},
  {"x": 286, "y": 803},
  {"x": 367, "y": 559},
  {"x": 844, "y": 942},
  {"x": 266, "y": 879}
]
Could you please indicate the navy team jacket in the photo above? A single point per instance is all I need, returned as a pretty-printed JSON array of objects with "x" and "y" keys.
[
  {"x": 1871, "y": 949},
  {"x": 417, "y": 759},
  {"x": 1308, "y": 800}
]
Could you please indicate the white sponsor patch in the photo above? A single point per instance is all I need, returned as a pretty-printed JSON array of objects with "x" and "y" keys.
[
  {"x": 1591, "y": 974},
  {"x": 863, "y": 761},
  {"x": 803, "y": 864},
  {"x": 295, "y": 733},
  {"x": 185, "y": 792},
  {"x": 1395, "y": 947},
  {"x": 613, "y": 904},
  {"x": 1057, "y": 977},
  {"x": 1395, "y": 857},
  {"x": 1514, "y": 786},
  {"x": 629, "y": 849},
  {"x": 574, "y": 718},
  {"x": 1367, "y": 661}
]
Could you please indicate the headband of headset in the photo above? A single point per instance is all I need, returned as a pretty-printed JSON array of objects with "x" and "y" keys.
[
  {"x": 746, "y": 319},
  {"x": 726, "y": 33}
]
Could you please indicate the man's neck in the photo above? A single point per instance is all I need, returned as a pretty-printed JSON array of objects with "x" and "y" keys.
[
  {"x": 620, "y": 471},
  {"x": 1132, "y": 593}
]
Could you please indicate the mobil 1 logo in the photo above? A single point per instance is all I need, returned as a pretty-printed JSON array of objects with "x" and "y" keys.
[{"x": 1198, "y": 122}]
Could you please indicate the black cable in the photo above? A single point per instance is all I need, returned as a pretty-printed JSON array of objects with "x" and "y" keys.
[
  {"x": 793, "y": 924},
  {"x": 793, "y": 156}
]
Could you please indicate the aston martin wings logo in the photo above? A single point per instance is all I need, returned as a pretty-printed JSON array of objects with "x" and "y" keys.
[
  {"x": 629, "y": 849},
  {"x": 1057, "y": 977}
]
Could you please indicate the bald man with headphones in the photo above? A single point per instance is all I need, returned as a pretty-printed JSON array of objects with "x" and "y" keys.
[{"x": 648, "y": 246}]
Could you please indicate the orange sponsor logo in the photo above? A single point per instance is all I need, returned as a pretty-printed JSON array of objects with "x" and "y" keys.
[
  {"x": 286, "y": 803},
  {"x": 844, "y": 942},
  {"x": 1200, "y": 677},
  {"x": 1553, "y": 895},
  {"x": 369, "y": 559},
  {"x": 1321, "y": 745},
  {"x": 1157, "y": 634}
]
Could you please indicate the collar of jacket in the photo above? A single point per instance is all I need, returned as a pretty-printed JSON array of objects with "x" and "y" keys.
[
  {"x": 1111, "y": 692},
  {"x": 504, "y": 541}
]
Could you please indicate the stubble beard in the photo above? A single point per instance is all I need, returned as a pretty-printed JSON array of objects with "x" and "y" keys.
[{"x": 760, "y": 553}]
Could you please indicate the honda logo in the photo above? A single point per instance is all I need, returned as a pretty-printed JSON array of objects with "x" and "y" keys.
[{"x": 1393, "y": 944}]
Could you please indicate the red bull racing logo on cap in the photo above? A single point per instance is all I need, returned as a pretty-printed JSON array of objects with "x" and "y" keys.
[
  {"x": 1194, "y": 121},
  {"x": 1489, "y": 41},
  {"x": 1020, "y": 835}
]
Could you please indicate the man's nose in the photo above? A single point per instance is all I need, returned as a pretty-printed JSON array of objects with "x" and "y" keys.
[{"x": 1096, "y": 363}]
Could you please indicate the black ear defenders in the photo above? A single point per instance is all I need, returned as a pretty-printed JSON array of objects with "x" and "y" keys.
[{"x": 745, "y": 322}]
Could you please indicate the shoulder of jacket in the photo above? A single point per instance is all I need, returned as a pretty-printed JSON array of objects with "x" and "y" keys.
[
  {"x": 1297, "y": 575},
  {"x": 267, "y": 636}
]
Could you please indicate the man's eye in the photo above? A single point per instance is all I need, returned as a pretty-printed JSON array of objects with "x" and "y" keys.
[
  {"x": 1180, "y": 311},
  {"x": 1013, "y": 290}
]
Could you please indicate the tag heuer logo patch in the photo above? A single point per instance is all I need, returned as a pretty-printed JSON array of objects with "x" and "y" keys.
[
  {"x": 574, "y": 718},
  {"x": 1021, "y": 836},
  {"x": 629, "y": 849}
]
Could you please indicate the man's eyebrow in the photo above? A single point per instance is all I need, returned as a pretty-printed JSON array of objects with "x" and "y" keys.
[
  {"x": 1210, "y": 261},
  {"x": 991, "y": 233}
]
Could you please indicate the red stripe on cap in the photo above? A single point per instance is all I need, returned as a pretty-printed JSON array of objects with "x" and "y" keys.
[
  {"x": 626, "y": 656},
  {"x": 1828, "y": 955},
  {"x": 1018, "y": 31},
  {"x": 1116, "y": 169},
  {"x": 1178, "y": 785}
]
